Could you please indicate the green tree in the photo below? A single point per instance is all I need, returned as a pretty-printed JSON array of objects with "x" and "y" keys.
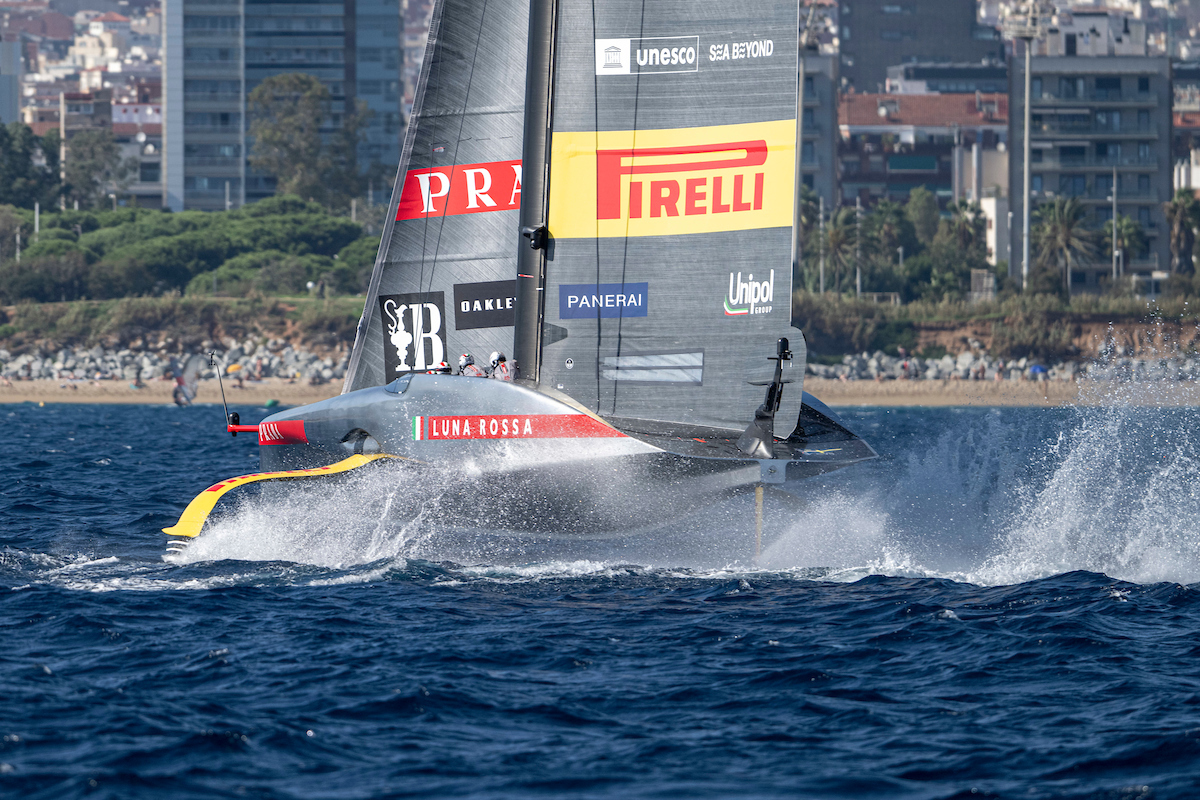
[
  {"x": 1062, "y": 237},
  {"x": 1130, "y": 237},
  {"x": 922, "y": 211},
  {"x": 94, "y": 167},
  {"x": 1182, "y": 212},
  {"x": 287, "y": 114},
  {"x": 839, "y": 245},
  {"x": 22, "y": 180}
]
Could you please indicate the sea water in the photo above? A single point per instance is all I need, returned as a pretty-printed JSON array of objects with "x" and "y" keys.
[{"x": 1005, "y": 604}]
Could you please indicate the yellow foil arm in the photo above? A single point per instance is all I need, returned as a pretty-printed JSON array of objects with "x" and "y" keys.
[{"x": 193, "y": 517}]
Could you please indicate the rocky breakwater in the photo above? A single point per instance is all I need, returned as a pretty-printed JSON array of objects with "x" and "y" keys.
[
  {"x": 979, "y": 366},
  {"x": 273, "y": 358}
]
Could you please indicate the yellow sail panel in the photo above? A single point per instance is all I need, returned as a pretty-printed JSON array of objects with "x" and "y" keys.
[
  {"x": 193, "y": 517},
  {"x": 674, "y": 181}
]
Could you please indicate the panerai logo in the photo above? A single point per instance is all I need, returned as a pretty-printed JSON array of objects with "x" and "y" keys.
[{"x": 749, "y": 296}]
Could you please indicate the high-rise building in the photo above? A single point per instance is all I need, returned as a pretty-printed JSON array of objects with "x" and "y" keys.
[
  {"x": 1100, "y": 108},
  {"x": 877, "y": 34},
  {"x": 819, "y": 149},
  {"x": 218, "y": 51}
]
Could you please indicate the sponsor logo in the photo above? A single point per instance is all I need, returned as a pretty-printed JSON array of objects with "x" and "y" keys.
[
  {"x": 737, "y": 51},
  {"x": 460, "y": 189},
  {"x": 605, "y": 300},
  {"x": 667, "y": 182},
  {"x": 484, "y": 305},
  {"x": 640, "y": 56},
  {"x": 749, "y": 296},
  {"x": 414, "y": 332},
  {"x": 686, "y": 368},
  {"x": 512, "y": 426},
  {"x": 289, "y": 431}
]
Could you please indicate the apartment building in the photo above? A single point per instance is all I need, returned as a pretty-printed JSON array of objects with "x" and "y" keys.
[
  {"x": 877, "y": 34},
  {"x": 820, "y": 124},
  {"x": 1101, "y": 112}
]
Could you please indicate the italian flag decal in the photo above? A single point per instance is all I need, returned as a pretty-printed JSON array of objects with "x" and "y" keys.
[{"x": 418, "y": 428}]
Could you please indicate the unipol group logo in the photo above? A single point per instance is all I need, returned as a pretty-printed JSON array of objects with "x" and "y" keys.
[
  {"x": 666, "y": 182},
  {"x": 654, "y": 55},
  {"x": 749, "y": 296},
  {"x": 460, "y": 189},
  {"x": 414, "y": 333}
]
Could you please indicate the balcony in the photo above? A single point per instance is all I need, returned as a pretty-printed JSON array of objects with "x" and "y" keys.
[
  {"x": 1056, "y": 162},
  {"x": 221, "y": 162},
  {"x": 1091, "y": 127},
  {"x": 1144, "y": 98}
]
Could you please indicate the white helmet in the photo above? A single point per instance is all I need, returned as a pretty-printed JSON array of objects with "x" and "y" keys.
[
  {"x": 497, "y": 358},
  {"x": 465, "y": 359}
]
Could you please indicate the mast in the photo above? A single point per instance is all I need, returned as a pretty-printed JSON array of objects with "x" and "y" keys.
[{"x": 535, "y": 160}]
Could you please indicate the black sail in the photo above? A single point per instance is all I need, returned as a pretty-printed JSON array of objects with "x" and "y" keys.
[
  {"x": 668, "y": 277},
  {"x": 443, "y": 282}
]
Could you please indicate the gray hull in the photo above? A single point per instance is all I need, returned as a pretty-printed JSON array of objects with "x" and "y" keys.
[{"x": 510, "y": 459}]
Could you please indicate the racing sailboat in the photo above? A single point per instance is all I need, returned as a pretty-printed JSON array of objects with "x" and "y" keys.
[{"x": 607, "y": 192}]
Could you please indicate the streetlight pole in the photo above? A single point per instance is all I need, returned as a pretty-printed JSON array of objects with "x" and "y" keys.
[
  {"x": 858, "y": 246},
  {"x": 1114, "y": 221},
  {"x": 1029, "y": 22},
  {"x": 821, "y": 217}
]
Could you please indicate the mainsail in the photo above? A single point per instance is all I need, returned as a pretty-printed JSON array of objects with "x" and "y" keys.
[
  {"x": 668, "y": 273},
  {"x": 444, "y": 275}
]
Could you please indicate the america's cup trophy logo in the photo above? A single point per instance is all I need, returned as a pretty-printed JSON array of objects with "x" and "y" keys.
[{"x": 413, "y": 332}]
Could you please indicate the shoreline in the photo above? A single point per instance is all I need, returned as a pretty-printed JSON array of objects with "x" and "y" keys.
[
  {"x": 254, "y": 393},
  {"x": 891, "y": 393}
]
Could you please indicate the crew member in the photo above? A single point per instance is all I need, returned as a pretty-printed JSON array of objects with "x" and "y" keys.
[
  {"x": 441, "y": 368},
  {"x": 500, "y": 369},
  {"x": 466, "y": 366}
]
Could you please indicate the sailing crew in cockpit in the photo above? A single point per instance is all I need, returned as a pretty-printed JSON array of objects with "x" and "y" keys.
[
  {"x": 466, "y": 366},
  {"x": 500, "y": 369}
]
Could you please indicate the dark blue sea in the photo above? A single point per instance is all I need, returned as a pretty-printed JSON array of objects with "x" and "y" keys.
[{"x": 1005, "y": 604}]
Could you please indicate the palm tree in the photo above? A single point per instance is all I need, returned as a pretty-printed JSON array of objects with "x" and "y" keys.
[
  {"x": 1182, "y": 212},
  {"x": 1062, "y": 237},
  {"x": 1130, "y": 237},
  {"x": 839, "y": 243},
  {"x": 968, "y": 226}
]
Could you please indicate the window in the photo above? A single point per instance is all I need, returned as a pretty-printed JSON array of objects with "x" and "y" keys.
[
  {"x": 809, "y": 156},
  {"x": 875, "y": 163},
  {"x": 1035, "y": 88},
  {"x": 391, "y": 91},
  {"x": 1035, "y": 156},
  {"x": 1108, "y": 88},
  {"x": 810, "y": 119},
  {"x": 1103, "y": 186},
  {"x": 1144, "y": 217},
  {"x": 193, "y": 22},
  {"x": 1143, "y": 185},
  {"x": 1072, "y": 185},
  {"x": 370, "y": 87},
  {"x": 391, "y": 58},
  {"x": 1070, "y": 88},
  {"x": 846, "y": 32},
  {"x": 1144, "y": 119},
  {"x": 850, "y": 166},
  {"x": 1143, "y": 151},
  {"x": 1103, "y": 215},
  {"x": 893, "y": 9},
  {"x": 369, "y": 54},
  {"x": 1072, "y": 155},
  {"x": 150, "y": 172},
  {"x": 1035, "y": 183},
  {"x": 1069, "y": 44},
  {"x": 810, "y": 88},
  {"x": 891, "y": 36},
  {"x": 1143, "y": 85}
]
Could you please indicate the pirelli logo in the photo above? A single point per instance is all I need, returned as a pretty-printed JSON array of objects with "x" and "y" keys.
[{"x": 668, "y": 182}]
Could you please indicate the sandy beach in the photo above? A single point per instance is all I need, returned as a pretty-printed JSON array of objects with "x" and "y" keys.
[
  {"x": 832, "y": 392},
  {"x": 156, "y": 392}
]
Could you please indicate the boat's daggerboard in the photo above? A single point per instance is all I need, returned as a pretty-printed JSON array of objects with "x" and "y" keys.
[{"x": 193, "y": 517}]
